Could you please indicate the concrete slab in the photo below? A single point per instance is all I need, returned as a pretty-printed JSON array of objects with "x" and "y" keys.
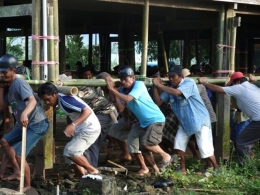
[{"x": 105, "y": 186}]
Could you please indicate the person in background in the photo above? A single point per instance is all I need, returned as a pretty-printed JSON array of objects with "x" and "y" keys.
[
  {"x": 28, "y": 113},
  {"x": 84, "y": 128},
  {"x": 191, "y": 112}
]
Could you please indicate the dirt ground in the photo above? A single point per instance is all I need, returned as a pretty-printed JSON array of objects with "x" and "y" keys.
[{"x": 68, "y": 183}]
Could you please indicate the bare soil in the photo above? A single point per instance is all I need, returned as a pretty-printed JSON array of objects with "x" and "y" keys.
[{"x": 68, "y": 183}]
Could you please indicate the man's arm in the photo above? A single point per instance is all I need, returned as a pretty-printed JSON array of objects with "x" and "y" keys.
[
  {"x": 169, "y": 90},
  {"x": 212, "y": 87},
  {"x": 28, "y": 109},
  {"x": 120, "y": 106},
  {"x": 156, "y": 96},
  {"x": 111, "y": 87}
]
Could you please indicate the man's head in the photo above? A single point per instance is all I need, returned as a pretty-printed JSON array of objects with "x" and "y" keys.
[
  {"x": 152, "y": 72},
  {"x": 88, "y": 72},
  {"x": 49, "y": 94},
  {"x": 175, "y": 75},
  {"x": 237, "y": 78},
  {"x": 126, "y": 75},
  {"x": 8, "y": 65}
]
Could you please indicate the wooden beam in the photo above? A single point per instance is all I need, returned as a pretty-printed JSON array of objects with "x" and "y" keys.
[
  {"x": 180, "y": 4},
  {"x": 251, "y": 2},
  {"x": 16, "y": 10}
]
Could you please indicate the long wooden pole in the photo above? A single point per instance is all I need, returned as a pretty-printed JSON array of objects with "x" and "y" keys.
[
  {"x": 51, "y": 67},
  {"x": 23, "y": 159},
  {"x": 56, "y": 33},
  {"x": 36, "y": 30},
  {"x": 165, "y": 59},
  {"x": 145, "y": 38}
]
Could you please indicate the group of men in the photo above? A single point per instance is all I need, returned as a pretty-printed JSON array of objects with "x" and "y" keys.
[{"x": 138, "y": 132}]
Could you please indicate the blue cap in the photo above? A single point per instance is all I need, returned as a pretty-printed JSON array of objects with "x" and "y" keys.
[{"x": 175, "y": 69}]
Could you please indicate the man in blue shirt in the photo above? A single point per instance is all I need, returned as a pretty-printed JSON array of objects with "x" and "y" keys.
[
  {"x": 191, "y": 112},
  {"x": 135, "y": 96}
]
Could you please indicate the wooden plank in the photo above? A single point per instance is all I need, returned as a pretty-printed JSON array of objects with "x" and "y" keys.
[
  {"x": 16, "y": 10},
  {"x": 222, "y": 135},
  {"x": 251, "y": 2}
]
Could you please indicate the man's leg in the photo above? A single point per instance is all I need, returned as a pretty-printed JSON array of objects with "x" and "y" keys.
[
  {"x": 143, "y": 168},
  {"x": 205, "y": 144},
  {"x": 27, "y": 173},
  {"x": 247, "y": 137},
  {"x": 79, "y": 171},
  {"x": 120, "y": 131},
  {"x": 83, "y": 162},
  {"x": 180, "y": 145},
  {"x": 10, "y": 155}
]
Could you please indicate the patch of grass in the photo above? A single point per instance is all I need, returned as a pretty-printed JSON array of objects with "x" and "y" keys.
[{"x": 231, "y": 179}]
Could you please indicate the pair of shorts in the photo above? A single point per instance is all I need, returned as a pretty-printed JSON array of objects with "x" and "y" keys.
[
  {"x": 122, "y": 132},
  {"x": 204, "y": 141},
  {"x": 79, "y": 143},
  {"x": 34, "y": 133},
  {"x": 152, "y": 135}
]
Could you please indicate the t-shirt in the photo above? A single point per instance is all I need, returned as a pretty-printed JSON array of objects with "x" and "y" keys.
[
  {"x": 204, "y": 96},
  {"x": 72, "y": 106},
  {"x": 188, "y": 107},
  {"x": 247, "y": 96},
  {"x": 16, "y": 98},
  {"x": 143, "y": 106}
]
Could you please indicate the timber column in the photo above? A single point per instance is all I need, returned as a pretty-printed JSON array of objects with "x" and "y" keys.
[{"x": 221, "y": 136}]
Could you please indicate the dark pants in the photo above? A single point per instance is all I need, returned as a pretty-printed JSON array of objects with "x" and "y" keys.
[{"x": 247, "y": 137}]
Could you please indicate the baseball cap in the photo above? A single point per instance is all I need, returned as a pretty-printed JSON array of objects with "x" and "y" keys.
[
  {"x": 7, "y": 61},
  {"x": 175, "y": 69},
  {"x": 185, "y": 72},
  {"x": 236, "y": 75}
]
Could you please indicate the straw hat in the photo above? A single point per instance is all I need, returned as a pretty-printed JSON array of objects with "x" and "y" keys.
[{"x": 185, "y": 72}]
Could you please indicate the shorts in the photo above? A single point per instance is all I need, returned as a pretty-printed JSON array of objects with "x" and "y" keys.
[
  {"x": 204, "y": 141},
  {"x": 122, "y": 132},
  {"x": 238, "y": 128},
  {"x": 152, "y": 135},
  {"x": 79, "y": 143},
  {"x": 33, "y": 134}
]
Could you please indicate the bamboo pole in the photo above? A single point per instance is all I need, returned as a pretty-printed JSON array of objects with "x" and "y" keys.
[
  {"x": 23, "y": 159},
  {"x": 233, "y": 30},
  {"x": 220, "y": 38},
  {"x": 56, "y": 33},
  {"x": 165, "y": 59},
  {"x": 36, "y": 29},
  {"x": 51, "y": 67},
  {"x": 145, "y": 38}
]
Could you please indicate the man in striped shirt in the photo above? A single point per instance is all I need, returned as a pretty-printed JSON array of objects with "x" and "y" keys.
[{"x": 84, "y": 128}]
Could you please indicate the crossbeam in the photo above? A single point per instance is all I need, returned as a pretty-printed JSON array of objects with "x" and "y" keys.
[{"x": 16, "y": 10}]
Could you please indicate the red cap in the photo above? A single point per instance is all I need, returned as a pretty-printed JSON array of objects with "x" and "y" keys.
[{"x": 236, "y": 75}]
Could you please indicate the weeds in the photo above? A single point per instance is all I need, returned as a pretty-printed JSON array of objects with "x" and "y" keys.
[{"x": 231, "y": 179}]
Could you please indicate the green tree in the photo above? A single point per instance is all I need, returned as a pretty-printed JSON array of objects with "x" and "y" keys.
[
  {"x": 75, "y": 50},
  {"x": 15, "y": 49}
]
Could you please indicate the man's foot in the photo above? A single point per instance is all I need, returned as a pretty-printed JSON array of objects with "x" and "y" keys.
[
  {"x": 13, "y": 177},
  {"x": 142, "y": 172},
  {"x": 96, "y": 171}
]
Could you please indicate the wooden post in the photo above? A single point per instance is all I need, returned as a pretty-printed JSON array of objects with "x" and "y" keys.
[
  {"x": 36, "y": 30},
  {"x": 56, "y": 33},
  {"x": 220, "y": 38},
  {"x": 222, "y": 137},
  {"x": 164, "y": 55},
  {"x": 90, "y": 48},
  {"x": 145, "y": 38},
  {"x": 186, "y": 53},
  {"x": 233, "y": 32},
  {"x": 121, "y": 43},
  {"x": 51, "y": 67}
]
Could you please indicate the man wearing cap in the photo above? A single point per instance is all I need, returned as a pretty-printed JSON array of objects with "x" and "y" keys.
[
  {"x": 135, "y": 96},
  {"x": 247, "y": 96},
  {"x": 28, "y": 113},
  {"x": 191, "y": 112}
]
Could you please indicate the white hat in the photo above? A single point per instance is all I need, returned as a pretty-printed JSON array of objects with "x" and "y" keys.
[{"x": 185, "y": 72}]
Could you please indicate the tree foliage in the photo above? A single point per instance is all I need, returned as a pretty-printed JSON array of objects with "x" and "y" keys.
[{"x": 16, "y": 50}]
